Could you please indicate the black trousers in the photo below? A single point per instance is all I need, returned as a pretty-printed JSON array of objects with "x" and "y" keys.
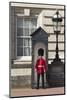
[{"x": 38, "y": 78}]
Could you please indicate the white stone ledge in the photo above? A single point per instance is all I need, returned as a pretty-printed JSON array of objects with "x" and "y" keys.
[
  {"x": 22, "y": 62},
  {"x": 21, "y": 72},
  {"x": 32, "y": 5}
]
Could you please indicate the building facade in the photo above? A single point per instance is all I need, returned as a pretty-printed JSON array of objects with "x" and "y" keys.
[{"x": 25, "y": 18}]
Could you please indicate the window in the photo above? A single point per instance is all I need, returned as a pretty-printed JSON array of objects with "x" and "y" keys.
[{"x": 25, "y": 26}]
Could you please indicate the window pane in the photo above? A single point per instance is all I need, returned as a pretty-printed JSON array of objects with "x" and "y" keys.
[
  {"x": 33, "y": 22},
  {"x": 25, "y": 42},
  {"x": 27, "y": 51},
  {"x": 19, "y": 51},
  {"x": 26, "y": 23},
  {"x": 32, "y": 30},
  {"x": 26, "y": 32},
  {"x": 19, "y": 42},
  {"x": 30, "y": 51},
  {"x": 19, "y": 31},
  {"x": 29, "y": 42},
  {"x": 19, "y": 22}
]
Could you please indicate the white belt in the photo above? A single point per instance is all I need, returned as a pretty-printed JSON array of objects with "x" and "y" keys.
[{"x": 40, "y": 66}]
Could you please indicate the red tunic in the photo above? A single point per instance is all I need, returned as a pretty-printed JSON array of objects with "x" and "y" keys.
[{"x": 40, "y": 66}]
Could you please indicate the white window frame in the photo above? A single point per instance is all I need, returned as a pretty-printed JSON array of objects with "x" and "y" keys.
[{"x": 23, "y": 58}]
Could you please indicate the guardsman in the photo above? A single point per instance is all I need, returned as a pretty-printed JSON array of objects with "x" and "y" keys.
[{"x": 40, "y": 67}]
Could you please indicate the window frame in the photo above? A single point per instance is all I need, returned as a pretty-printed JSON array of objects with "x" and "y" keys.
[{"x": 23, "y": 58}]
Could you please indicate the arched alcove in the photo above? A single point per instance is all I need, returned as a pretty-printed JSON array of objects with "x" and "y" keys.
[
  {"x": 39, "y": 40},
  {"x": 36, "y": 48}
]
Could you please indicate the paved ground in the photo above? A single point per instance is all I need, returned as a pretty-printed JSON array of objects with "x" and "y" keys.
[{"x": 36, "y": 92}]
